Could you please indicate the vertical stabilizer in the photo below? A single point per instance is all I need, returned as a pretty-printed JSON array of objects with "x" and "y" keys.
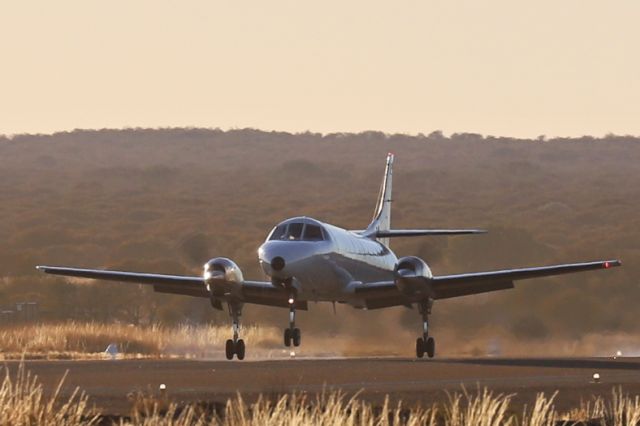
[{"x": 382, "y": 215}]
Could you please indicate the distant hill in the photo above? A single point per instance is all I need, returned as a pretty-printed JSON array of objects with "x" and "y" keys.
[{"x": 166, "y": 200}]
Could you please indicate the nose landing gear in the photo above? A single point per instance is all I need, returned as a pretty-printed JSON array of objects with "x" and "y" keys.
[
  {"x": 425, "y": 344},
  {"x": 292, "y": 334},
  {"x": 235, "y": 346}
]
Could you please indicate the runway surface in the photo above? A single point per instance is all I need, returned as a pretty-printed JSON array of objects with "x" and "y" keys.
[{"x": 108, "y": 382}]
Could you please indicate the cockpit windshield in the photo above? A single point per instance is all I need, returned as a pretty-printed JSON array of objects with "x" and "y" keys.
[
  {"x": 294, "y": 231},
  {"x": 278, "y": 232},
  {"x": 297, "y": 231}
]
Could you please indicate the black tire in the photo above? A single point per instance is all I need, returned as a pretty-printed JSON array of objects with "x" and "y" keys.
[
  {"x": 229, "y": 349},
  {"x": 287, "y": 337},
  {"x": 296, "y": 337},
  {"x": 419, "y": 347},
  {"x": 430, "y": 347},
  {"x": 240, "y": 349}
]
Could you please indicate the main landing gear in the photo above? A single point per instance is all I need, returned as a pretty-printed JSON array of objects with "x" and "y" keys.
[
  {"x": 292, "y": 334},
  {"x": 235, "y": 346},
  {"x": 425, "y": 344}
]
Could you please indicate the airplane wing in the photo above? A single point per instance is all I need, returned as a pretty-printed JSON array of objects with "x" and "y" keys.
[
  {"x": 446, "y": 286},
  {"x": 132, "y": 277},
  {"x": 384, "y": 294},
  {"x": 256, "y": 292}
]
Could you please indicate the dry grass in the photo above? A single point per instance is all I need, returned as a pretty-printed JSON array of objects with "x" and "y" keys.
[
  {"x": 23, "y": 402},
  {"x": 326, "y": 409},
  {"x": 483, "y": 409},
  {"x": 89, "y": 340}
]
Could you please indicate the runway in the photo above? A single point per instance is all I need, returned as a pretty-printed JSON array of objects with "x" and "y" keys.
[{"x": 414, "y": 381}]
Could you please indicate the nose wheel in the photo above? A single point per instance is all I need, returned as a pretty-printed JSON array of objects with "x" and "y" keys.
[
  {"x": 292, "y": 334},
  {"x": 425, "y": 344},
  {"x": 236, "y": 345}
]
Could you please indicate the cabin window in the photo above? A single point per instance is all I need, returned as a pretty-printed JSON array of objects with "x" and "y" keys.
[{"x": 312, "y": 233}]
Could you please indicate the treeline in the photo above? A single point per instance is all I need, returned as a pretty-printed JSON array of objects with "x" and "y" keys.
[{"x": 167, "y": 200}]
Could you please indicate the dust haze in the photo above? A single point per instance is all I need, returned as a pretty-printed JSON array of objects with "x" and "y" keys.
[{"x": 167, "y": 200}]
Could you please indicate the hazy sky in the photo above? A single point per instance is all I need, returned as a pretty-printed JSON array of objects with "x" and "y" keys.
[{"x": 554, "y": 67}]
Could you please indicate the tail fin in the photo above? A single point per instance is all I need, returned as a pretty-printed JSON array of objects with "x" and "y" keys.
[
  {"x": 380, "y": 226},
  {"x": 382, "y": 215}
]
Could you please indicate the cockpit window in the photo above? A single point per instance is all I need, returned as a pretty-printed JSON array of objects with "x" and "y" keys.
[
  {"x": 312, "y": 233},
  {"x": 278, "y": 232},
  {"x": 297, "y": 231},
  {"x": 294, "y": 232}
]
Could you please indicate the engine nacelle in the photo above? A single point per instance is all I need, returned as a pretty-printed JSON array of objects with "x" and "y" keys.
[
  {"x": 223, "y": 279},
  {"x": 412, "y": 276}
]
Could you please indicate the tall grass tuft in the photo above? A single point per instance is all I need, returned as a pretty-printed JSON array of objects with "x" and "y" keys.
[
  {"x": 481, "y": 409},
  {"x": 623, "y": 410},
  {"x": 22, "y": 403},
  {"x": 332, "y": 408},
  {"x": 542, "y": 413}
]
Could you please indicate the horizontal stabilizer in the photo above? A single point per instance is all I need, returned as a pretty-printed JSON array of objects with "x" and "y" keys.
[
  {"x": 423, "y": 232},
  {"x": 391, "y": 233}
]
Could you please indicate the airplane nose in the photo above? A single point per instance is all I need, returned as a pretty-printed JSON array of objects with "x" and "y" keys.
[
  {"x": 283, "y": 259},
  {"x": 277, "y": 263}
]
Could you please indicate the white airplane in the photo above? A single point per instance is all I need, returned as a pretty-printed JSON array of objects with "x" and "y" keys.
[{"x": 312, "y": 261}]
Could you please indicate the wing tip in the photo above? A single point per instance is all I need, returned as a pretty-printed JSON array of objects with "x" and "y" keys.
[{"x": 611, "y": 263}]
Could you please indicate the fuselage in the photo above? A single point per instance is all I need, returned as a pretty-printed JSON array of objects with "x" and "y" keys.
[{"x": 323, "y": 261}]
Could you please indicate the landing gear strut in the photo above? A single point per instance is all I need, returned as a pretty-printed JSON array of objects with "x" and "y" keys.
[
  {"x": 292, "y": 334},
  {"x": 235, "y": 346},
  {"x": 425, "y": 344}
]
